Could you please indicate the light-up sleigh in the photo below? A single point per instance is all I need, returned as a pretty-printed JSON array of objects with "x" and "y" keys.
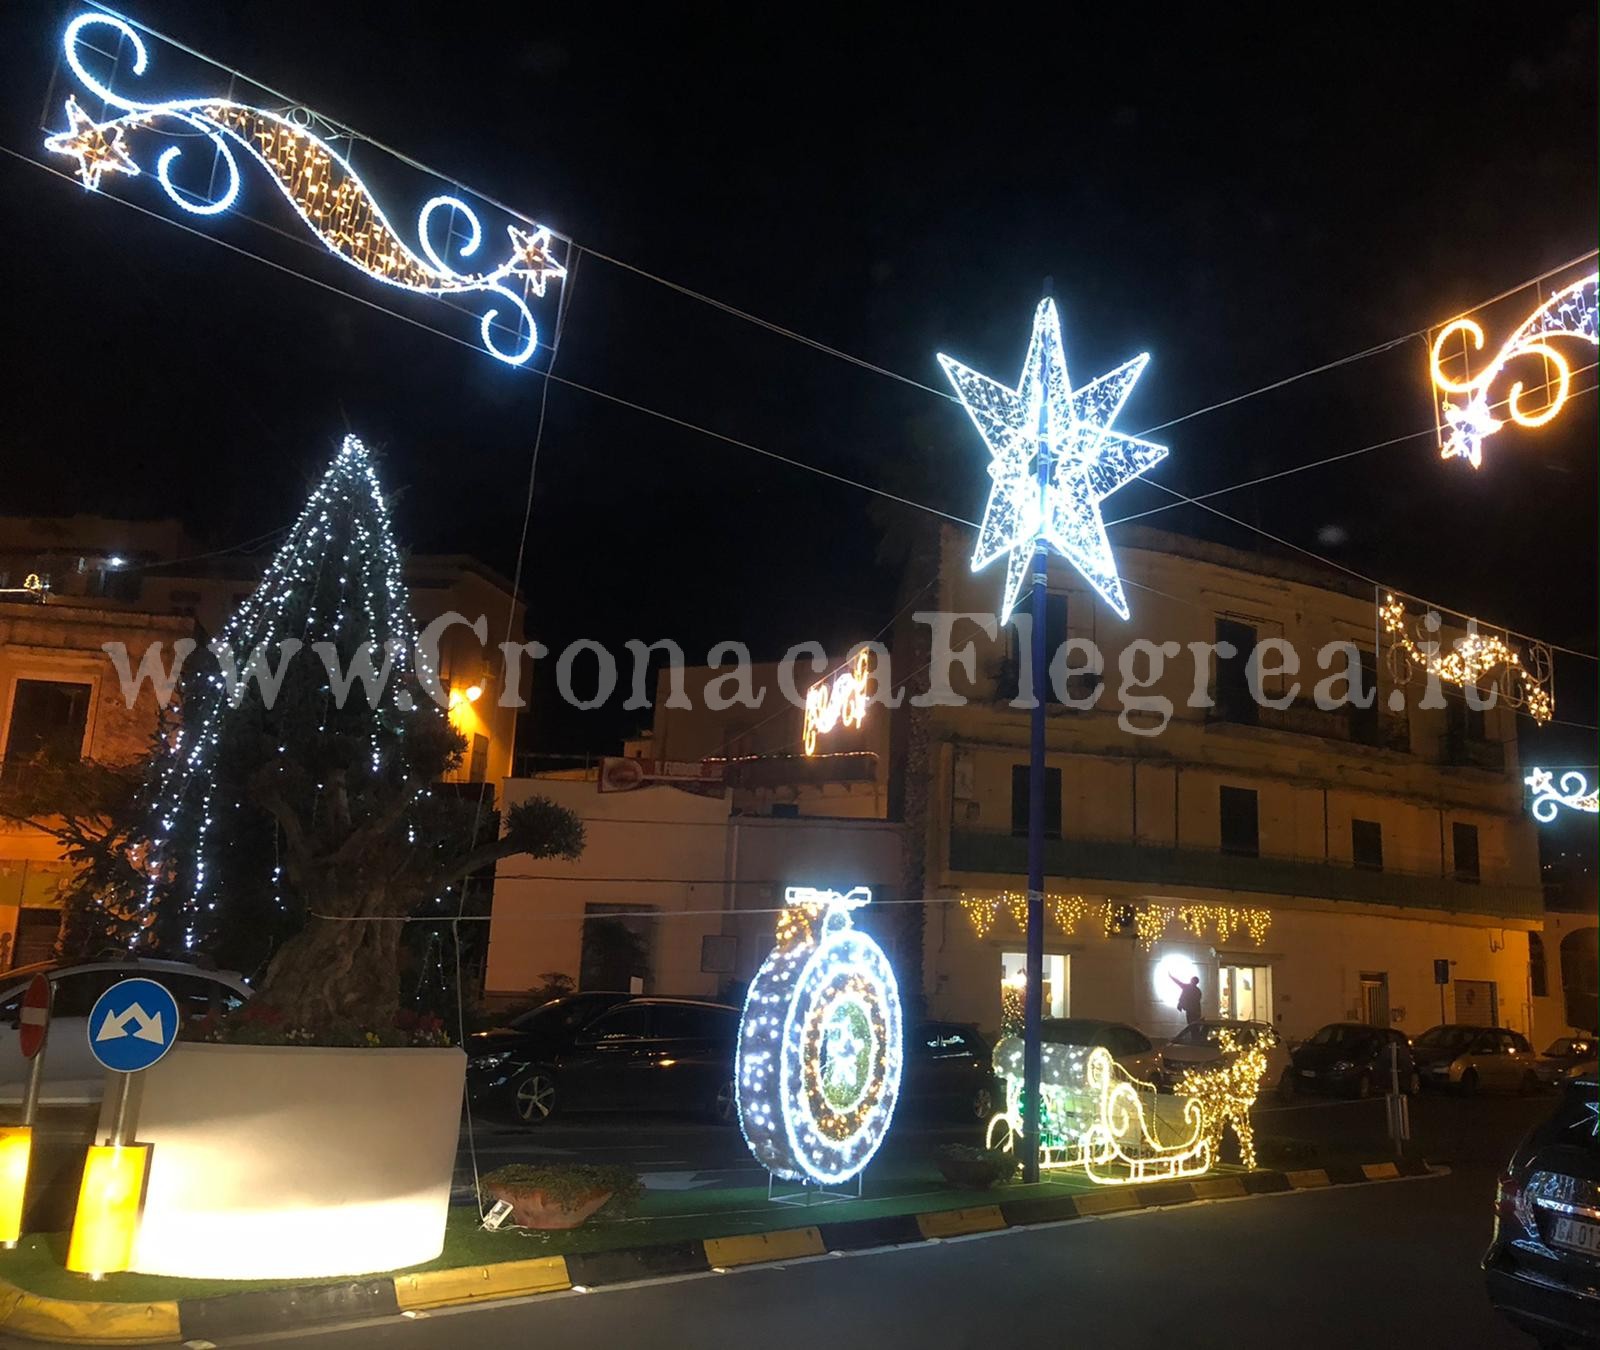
[{"x": 1095, "y": 1115}]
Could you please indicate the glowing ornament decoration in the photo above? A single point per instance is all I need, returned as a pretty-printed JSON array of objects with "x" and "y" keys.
[
  {"x": 314, "y": 178},
  {"x": 1549, "y": 797},
  {"x": 1085, "y": 461},
  {"x": 1464, "y": 426},
  {"x": 841, "y": 701},
  {"x": 818, "y": 1067},
  {"x": 1518, "y": 669}
]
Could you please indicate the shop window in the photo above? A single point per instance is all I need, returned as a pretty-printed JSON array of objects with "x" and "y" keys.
[
  {"x": 1240, "y": 817},
  {"x": 1244, "y": 993},
  {"x": 1057, "y": 995},
  {"x": 1366, "y": 844},
  {"x": 1019, "y": 801}
]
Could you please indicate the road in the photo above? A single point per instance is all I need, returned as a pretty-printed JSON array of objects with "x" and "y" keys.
[{"x": 1394, "y": 1264}]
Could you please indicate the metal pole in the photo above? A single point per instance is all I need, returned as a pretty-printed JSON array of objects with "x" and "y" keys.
[
  {"x": 1033, "y": 994},
  {"x": 119, "y": 1119}
]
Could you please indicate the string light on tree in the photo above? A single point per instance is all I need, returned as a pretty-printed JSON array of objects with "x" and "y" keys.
[
  {"x": 1573, "y": 792},
  {"x": 1464, "y": 427},
  {"x": 317, "y": 181},
  {"x": 817, "y": 1072},
  {"x": 1088, "y": 461}
]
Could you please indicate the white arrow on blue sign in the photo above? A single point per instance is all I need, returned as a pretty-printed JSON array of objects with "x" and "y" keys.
[{"x": 132, "y": 1025}]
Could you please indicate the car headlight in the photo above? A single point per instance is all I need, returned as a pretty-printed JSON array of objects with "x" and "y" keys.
[
  {"x": 489, "y": 1061},
  {"x": 1341, "y": 1065}
]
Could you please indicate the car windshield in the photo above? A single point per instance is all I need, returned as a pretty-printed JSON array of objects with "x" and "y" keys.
[
  {"x": 1060, "y": 1031},
  {"x": 1346, "y": 1037},
  {"x": 1447, "y": 1038}
]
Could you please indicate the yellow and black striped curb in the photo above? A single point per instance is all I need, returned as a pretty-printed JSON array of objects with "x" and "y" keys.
[{"x": 78, "y": 1322}]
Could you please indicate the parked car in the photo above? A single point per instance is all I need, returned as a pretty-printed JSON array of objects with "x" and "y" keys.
[
  {"x": 610, "y": 1052},
  {"x": 1468, "y": 1058},
  {"x": 1129, "y": 1046},
  {"x": 1351, "y": 1059},
  {"x": 1563, "y": 1054},
  {"x": 949, "y": 1073},
  {"x": 70, "y": 1072},
  {"x": 1200, "y": 1043},
  {"x": 1543, "y": 1263}
]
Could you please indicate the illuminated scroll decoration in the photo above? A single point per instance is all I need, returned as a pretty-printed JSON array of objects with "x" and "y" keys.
[
  {"x": 1549, "y": 797},
  {"x": 1150, "y": 921},
  {"x": 817, "y": 1072},
  {"x": 1095, "y": 1115},
  {"x": 315, "y": 179},
  {"x": 1518, "y": 670},
  {"x": 841, "y": 701},
  {"x": 1465, "y": 426}
]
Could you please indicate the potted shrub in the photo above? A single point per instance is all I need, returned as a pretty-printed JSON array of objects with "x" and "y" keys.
[
  {"x": 561, "y": 1196},
  {"x": 974, "y": 1168}
]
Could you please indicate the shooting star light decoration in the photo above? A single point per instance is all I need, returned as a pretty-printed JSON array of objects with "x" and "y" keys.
[
  {"x": 317, "y": 181},
  {"x": 1465, "y": 426},
  {"x": 1085, "y": 461}
]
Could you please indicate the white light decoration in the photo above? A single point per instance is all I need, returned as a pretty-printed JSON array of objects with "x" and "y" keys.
[
  {"x": 1519, "y": 669},
  {"x": 317, "y": 181},
  {"x": 1095, "y": 1115},
  {"x": 841, "y": 701},
  {"x": 1087, "y": 461},
  {"x": 1573, "y": 792},
  {"x": 1150, "y": 920},
  {"x": 1168, "y": 973},
  {"x": 1465, "y": 426},
  {"x": 1227, "y": 1089},
  {"x": 820, "y": 1044}
]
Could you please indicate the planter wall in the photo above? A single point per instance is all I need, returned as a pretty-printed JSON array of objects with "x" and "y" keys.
[{"x": 277, "y": 1162}]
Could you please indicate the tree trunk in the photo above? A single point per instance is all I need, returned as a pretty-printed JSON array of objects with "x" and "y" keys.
[{"x": 337, "y": 970}]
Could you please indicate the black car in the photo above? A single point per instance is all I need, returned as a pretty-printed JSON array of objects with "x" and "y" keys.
[
  {"x": 1543, "y": 1262},
  {"x": 948, "y": 1073},
  {"x": 1351, "y": 1059},
  {"x": 611, "y": 1052}
]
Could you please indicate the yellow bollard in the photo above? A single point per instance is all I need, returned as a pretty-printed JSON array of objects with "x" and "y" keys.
[
  {"x": 108, "y": 1209},
  {"x": 16, "y": 1145}
]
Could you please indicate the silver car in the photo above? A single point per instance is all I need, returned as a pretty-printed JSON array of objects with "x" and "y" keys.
[{"x": 70, "y": 1072}]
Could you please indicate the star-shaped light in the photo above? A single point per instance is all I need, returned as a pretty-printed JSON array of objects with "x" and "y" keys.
[
  {"x": 532, "y": 258},
  {"x": 1470, "y": 427},
  {"x": 1087, "y": 461},
  {"x": 89, "y": 144}
]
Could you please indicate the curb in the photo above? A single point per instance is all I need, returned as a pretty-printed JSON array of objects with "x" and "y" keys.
[{"x": 76, "y": 1322}]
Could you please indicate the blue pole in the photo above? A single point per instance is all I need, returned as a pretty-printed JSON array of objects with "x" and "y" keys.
[{"x": 1033, "y": 994}]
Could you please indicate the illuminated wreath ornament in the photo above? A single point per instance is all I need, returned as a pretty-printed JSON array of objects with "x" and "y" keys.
[
  {"x": 315, "y": 179},
  {"x": 820, "y": 1043},
  {"x": 1569, "y": 313}
]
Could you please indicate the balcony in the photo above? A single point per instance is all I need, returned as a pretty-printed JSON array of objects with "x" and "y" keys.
[
  {"x": 1465, "y": 751},
  {"x": 1352, "y": 725},
  {"x": 1177, "y": 868}
]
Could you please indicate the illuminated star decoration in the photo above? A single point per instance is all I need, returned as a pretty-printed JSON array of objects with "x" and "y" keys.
[
  {"x": 1087, "y": 461},
  {"x": 89, "y": 144},
  {"x": 532, "y": 259}
]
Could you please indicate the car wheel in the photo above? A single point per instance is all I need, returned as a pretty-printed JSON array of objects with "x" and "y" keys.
[
  {"x": 535, "y": 1099},
  {"x": 982, "y": 1104},
  {"x": 1469, "y": 1082},
  {"x": 724, "y": 1109}
]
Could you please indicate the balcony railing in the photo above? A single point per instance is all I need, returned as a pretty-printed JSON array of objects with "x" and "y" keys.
[
  {"x": 1356, "y": 726},
  {"x": 1179, "y": 868}
]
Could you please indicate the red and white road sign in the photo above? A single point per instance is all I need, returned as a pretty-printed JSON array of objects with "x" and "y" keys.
[{"x": 35, "y": 1017}]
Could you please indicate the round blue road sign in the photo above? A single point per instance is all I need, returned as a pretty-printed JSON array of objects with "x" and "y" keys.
[{"x": 132, "y": 1025}]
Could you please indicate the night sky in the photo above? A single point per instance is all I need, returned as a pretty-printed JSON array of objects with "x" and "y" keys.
[{"x": 1245, "y": 194}]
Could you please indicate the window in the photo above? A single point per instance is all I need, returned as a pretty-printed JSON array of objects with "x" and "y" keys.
[
  {"x": 1464, "y": 720},
  {"x": 1122, "y": 1041},
  {"x": 1234, "y": 703},
  {"x": 48, "y": 719},
  {"x": 1464, "y": 847},
  {"x": 1019, "y": 801},
  {"x": 1244, "y": 993},
  {"x": 37, "y": 931},
  {"x": 1517, "y": 1043},
  {"x": 478, "y": 764},
  {"x": 630, "y": 1020},
  {"x": 1538, "y": 976},
  {"x": 1366, "y": 844},
  {"x": 1056, "y": 1000},
  {"x": 1363, "y": 723},
  {"x": 1240, "y": 828}
]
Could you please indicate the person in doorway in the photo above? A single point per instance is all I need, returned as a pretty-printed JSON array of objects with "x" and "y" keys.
[{"x": 1188, "y": 997}]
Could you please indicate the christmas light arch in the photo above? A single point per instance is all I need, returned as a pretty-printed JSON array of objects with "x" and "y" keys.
[{"x": 820, "y": 1043}]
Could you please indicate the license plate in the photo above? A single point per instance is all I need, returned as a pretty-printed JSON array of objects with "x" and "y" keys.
[
  {"x": 1308, "y": 1073},
  {"x": 1577, "y": 1235}
]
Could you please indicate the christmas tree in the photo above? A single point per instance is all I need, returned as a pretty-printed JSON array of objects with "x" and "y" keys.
[{"x": 292, "y": 826}]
